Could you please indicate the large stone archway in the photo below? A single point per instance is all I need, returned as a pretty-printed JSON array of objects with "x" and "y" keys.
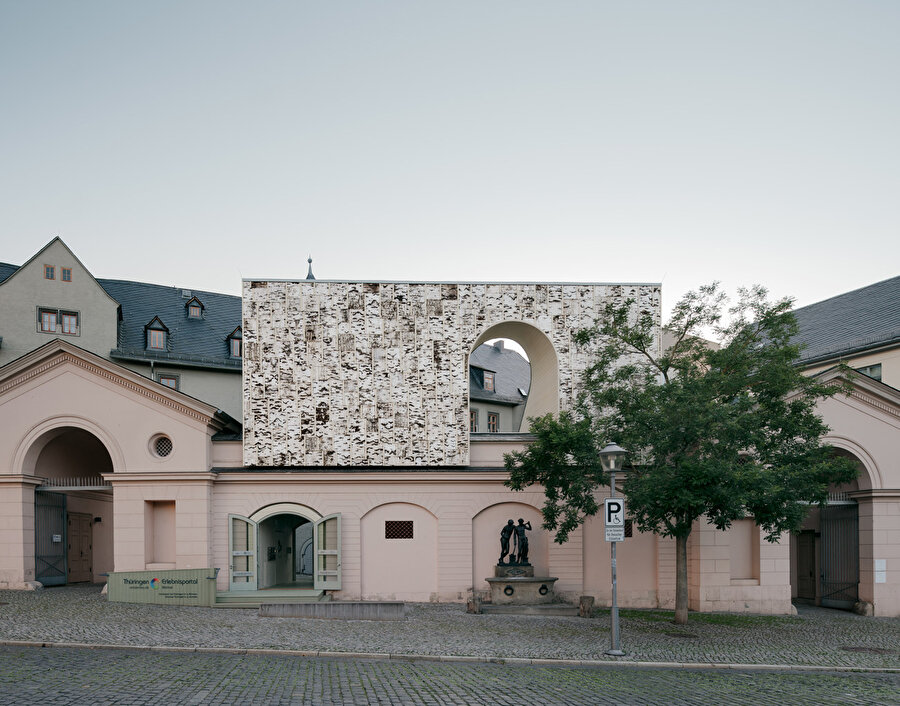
[
  {"x": 543, "y": 396},
  {"x": 73, "y": 506}
]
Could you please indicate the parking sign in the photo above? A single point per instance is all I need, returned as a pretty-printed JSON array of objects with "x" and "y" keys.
[{"x": 614, "y": 519}]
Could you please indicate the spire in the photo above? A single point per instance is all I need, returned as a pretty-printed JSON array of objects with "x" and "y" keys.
[{"x": 309, "y": 274}]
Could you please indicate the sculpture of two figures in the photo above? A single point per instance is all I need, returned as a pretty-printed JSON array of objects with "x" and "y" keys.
[{"x": 516, "y": 532}]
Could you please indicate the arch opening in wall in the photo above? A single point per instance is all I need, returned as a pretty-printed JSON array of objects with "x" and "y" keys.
[
  {"x": 825, "y": 554},
  {"x": 73, "y": 516},
  {"x": 506, "y": 386},
  {"x": 486, "y": 527}
]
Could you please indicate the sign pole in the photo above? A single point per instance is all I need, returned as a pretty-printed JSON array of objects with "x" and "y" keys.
[{"x": 615, "y": 649}]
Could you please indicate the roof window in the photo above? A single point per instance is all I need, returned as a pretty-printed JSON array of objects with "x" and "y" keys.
[
  {"x": 157, "y": 334},
  {"x": 194, "y": 308},
  {"x": 235, "y": 343}
]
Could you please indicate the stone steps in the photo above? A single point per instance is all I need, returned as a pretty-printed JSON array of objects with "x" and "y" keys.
[{"x": 254, "y": 599}]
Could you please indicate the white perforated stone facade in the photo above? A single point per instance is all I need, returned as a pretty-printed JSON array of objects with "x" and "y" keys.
[{"x": 376, "y": 374}]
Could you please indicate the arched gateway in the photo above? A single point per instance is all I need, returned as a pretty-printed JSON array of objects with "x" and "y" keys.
[
  {"x": 284, "y": 546},
  {"x": 73, "y": 511}
]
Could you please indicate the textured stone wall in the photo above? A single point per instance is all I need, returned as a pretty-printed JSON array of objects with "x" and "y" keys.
[{"x": 376, "y": 374}]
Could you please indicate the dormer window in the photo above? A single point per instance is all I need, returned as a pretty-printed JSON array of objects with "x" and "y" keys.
[
  {"x": 235, "y": 341},
  {"x": 194, "y": 308},
  {"x": 488, "y": 381},
  {"x": 156, "y": 334}
]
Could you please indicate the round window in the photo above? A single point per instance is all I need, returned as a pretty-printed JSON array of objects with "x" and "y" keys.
[{"x": 162, "y": 446}]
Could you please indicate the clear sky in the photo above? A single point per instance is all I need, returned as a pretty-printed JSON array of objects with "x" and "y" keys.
[{"x": 196, "y": 143}]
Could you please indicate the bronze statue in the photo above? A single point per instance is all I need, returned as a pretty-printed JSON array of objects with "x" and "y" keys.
[
  {"x": 522, "y": 542},
  {"x": 505, "y": 534}
]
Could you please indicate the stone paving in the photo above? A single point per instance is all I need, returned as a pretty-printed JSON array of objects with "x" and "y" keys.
[
  {"x": 80, "y": 676},
  {"x": 79, "y": 614}
]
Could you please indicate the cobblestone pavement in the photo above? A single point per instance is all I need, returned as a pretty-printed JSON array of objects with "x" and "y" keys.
[
  {"x": 835, "y": 639},
  {"x": 77, "y": 676}
]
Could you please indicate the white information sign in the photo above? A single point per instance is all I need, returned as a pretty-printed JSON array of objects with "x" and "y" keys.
[
  {"x": 881, "y": 571},
  {"x": 614, "y": 519}
]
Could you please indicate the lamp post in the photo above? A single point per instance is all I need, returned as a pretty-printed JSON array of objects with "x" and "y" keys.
[{"x": 612, "y": 459}]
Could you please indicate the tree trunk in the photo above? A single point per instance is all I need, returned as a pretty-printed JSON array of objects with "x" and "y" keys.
[{"x": 681, "y": 580}]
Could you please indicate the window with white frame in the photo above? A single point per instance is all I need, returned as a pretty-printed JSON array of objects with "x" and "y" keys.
[{"x": 58, "y": 321}]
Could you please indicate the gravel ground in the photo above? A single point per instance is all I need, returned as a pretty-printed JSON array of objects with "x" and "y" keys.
[{"x": 816, "y": 636}]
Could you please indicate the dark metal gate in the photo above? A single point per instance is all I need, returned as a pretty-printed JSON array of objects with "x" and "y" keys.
[
  {"x": 840, "y": 554},
  {"x": 50, "y": 538}
]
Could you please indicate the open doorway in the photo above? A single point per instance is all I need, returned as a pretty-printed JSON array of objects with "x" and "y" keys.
[
  {"x": 285, "y": 561},
  {"x": 73, "y": 537},
  {"x": 285, "y": 546}
]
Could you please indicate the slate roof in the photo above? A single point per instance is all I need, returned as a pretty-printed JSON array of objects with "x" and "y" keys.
[
  {"x": 194, "y": 342},
  {"x": 6, "y": 270},
  {"x": 850, "y": 323},
  {"x": 190, "y": 342},
  {"x": 511, "y": 372}
]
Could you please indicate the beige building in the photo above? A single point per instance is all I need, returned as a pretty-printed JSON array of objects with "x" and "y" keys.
[{"x": 355, "y": 472}]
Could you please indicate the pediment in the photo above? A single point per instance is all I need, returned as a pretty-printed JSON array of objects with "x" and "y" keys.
[
  {"x": 48, "y": 358},
  {"x": 870, "y": 392}
]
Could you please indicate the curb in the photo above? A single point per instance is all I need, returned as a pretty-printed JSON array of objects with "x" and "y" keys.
[{"x": 521, "y": 661}]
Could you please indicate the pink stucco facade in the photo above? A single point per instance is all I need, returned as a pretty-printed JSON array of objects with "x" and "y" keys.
[{"x": 67, "y": 413}]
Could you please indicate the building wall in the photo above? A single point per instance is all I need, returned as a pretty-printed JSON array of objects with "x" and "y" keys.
[
  {"x": 508, "y": 417},
  {"x": 889, "y": 359},
  {"x": 221, "y": 388},
  {"x": 27, "y": 290},
  {"x": 376, "y": 374}
]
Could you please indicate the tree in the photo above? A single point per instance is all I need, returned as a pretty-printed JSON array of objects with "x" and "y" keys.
[{"x": 723, "y": 431}]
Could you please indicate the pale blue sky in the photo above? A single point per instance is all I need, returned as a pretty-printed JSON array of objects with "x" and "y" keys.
[{"x": 195, "y": 143}]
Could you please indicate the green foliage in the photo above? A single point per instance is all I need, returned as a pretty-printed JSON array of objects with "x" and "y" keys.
[{"x": 722, "y": 431}]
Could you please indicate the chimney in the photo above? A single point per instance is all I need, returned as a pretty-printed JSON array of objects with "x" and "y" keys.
[{"x": 498, "y": 344}]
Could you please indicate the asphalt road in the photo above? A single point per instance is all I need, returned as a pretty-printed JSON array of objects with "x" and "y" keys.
[{"x": 34, "y": 675}]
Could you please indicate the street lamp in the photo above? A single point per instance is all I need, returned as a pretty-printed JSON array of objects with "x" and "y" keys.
[{"x": 612, "y": 459}]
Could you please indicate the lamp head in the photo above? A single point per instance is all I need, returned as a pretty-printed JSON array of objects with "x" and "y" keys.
[{"x": 612, "y": 458}]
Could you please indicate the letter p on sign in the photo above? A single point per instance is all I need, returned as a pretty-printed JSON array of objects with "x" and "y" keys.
[{"x": 615, "y": 512}]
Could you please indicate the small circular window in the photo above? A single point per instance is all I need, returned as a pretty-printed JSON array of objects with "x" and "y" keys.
[{"x": 162, "y": 446}]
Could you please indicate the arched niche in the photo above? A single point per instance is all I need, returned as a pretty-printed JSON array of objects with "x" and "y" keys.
[
  {"x": 543, "y": 396},
  {"x": 486, "y": 526},
  {"x": 399, "y": 561}
]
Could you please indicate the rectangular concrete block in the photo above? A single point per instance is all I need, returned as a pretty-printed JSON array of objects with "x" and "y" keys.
[{"x": 336, "y": 610}]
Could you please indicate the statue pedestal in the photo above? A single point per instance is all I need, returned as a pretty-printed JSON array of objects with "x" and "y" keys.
[{"x": 517, "y": 585}]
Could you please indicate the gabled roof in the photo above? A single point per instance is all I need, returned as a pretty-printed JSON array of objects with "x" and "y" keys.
[
  {"x": 7, "y": 271},
  {"x": 192, "y": 342},
  {"x": 850, "y": 323},
  {"x": 200, "y": 342},
  {"x": 194, "y": 300},
  {"x": 157, "y": 325},
  {"x": 512, "y": 375},
  {"x": 59, "y": 350}
]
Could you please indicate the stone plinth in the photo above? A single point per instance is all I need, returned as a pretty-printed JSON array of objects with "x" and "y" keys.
[
  {"x": 513, "y": 571},
  {"x": 522, "y": 590}
]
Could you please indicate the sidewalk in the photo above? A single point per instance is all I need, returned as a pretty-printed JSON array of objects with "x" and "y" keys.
[{"x": 816, "y": 637}]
